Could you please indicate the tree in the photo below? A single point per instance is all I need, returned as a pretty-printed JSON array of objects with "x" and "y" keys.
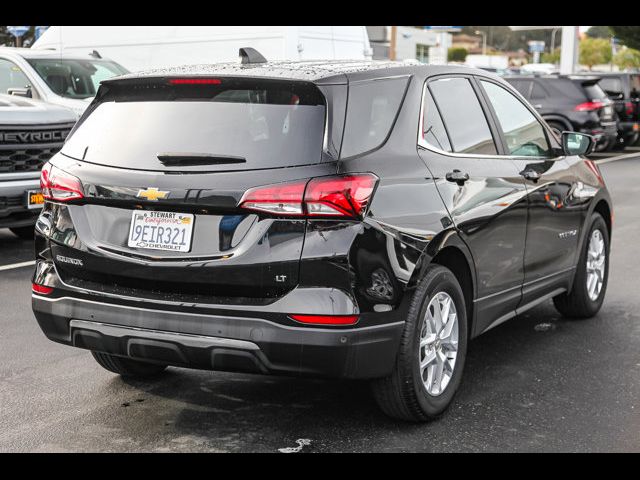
[
  {"x": 599, "y": 31},
  {"x": 553, "y": 57},
  {"x": 595, "y": 51},
  {"x": 457, "y": 54},
  {"x": 629, "y": 36},
  {"x": 627, "y": 58}
]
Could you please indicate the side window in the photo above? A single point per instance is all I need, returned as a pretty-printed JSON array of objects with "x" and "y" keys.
[
  {"x": 372, "y": 109},
  {"x": 523, "y": 133},
  {"x": 433, "y": 131},
  {"x": 463, "y": 117},
  {"x": 538, "y": 92},
  {"x": 11, "y": 76}
]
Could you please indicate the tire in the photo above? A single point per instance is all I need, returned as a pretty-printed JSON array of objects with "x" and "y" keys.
[
  {"x": 26, "y": 233},
  {"x": 579, "y": 303},
  {"x": 561, "y": 127},
  {"x": 403, "y": 394},
  {"x": 127, "y": 367}
]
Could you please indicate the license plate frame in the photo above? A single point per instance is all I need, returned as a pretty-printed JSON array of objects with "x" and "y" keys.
[
  {"x": 34, "y": 199},
  {"x": 161, "y": 231}
]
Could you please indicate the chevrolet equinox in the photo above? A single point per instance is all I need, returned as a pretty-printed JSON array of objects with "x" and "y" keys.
[{"x": 349, "y": 219}]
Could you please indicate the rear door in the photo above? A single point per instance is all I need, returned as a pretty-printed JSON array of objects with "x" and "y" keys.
[
  {"x": 164, "y": 167},
  {"x": 554, "y": 221},
  {"x": 489, "y": 209}
]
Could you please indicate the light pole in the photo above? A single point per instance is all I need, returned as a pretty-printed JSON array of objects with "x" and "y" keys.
[
  {"x": 484, "y": 41},
  {"x": 553, "y": 38}
]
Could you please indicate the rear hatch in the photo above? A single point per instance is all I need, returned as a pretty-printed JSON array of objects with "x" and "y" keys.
[
  {"x": 164, "y": 163},
  {"x": 600, "y": 101}
]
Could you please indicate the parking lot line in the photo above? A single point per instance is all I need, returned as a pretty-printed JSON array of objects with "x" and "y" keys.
[
  {"x": 616, "y": 158},
  {"x": 17, "y": 265}
]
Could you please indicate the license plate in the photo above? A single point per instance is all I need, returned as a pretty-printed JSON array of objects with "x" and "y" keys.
[
  {"x": 35, "y": 199},
  {"x": 608, "y": 110},
  {"x": 161, "y": 230}
]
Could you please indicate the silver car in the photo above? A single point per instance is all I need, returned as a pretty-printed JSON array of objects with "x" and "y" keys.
[{"x": 62, "y": 79}]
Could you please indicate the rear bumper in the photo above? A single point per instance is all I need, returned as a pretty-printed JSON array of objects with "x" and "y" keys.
[{"x": 226, "y": 341}]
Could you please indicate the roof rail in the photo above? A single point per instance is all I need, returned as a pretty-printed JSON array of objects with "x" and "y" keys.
[{"x": 251, "y": 55}]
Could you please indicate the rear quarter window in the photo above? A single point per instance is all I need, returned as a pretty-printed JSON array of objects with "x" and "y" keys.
[{"x": 372, "y": 109}]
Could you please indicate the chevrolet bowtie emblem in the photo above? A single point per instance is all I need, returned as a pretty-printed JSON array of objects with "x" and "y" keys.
[{"x": 152, "y": 194}]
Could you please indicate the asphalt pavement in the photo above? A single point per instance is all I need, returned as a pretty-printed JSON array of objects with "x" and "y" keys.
[{"x": 536, "y": 383}]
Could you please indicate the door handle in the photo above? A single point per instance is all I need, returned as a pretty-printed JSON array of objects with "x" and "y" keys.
[
  {"x": 457, "y": 176},
  {"x": 530, "y": 175},
  {"x": 537, "y": 106}
]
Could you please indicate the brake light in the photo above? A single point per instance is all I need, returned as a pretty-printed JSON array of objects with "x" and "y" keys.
[
  {"x": 58, "y": 185},
  {"x": 628, "y": 108},
  {"x": 41, "y": 289},
  {"x": 334, "y": 196},
  {"x": 280, "y": 199},
  {"x": 195, "y": 81},
  {"x": 326, "y": 319},
  {"x": 589, "y": 106}
]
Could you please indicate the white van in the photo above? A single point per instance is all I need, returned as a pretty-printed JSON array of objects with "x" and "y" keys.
[{"x": 145, "y": 47}]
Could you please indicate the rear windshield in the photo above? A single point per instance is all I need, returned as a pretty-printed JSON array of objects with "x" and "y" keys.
[
  {"x": 611, "y": 85},
  {"x": 595, "y": 92},
  {"x": 232, "y": 125}
]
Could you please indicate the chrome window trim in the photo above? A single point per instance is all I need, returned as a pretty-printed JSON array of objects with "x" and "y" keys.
[{"x": 427, "y": 146}]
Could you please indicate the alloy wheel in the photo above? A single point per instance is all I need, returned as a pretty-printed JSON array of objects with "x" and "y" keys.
[
  {"x": 596, "y": 262},
  {"x": 438, "y": 343}
]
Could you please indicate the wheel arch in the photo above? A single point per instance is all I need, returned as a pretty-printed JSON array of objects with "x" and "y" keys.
[
  {"x": 448, "y": 250},
  {"x": 558, "y": 118}
]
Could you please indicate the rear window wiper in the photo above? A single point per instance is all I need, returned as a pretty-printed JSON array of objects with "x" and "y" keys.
[{"x": 196, "y": 159}]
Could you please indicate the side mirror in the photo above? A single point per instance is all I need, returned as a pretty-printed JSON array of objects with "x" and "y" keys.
[
  {"x": 574, "y": 143},
  {"x": 21, "y": 92}
]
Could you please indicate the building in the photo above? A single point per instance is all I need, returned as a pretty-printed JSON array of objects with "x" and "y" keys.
[
  {"x": 410, "y": 43},
  {"x": 470, "y": 43}
]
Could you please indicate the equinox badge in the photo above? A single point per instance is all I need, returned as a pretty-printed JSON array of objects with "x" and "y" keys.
[{"x": 152, "y": 194}]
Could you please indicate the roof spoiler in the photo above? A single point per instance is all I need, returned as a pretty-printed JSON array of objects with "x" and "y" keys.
[{"x": 250, "y": 55}]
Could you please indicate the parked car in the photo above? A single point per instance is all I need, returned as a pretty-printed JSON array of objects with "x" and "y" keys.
[
  {"x": 538, "y": 68},
  {"x": 31, "y": 132},
  {"x": 67, "y": 80},
  {"x": 624, "y": 90},
  {"x": 338, "y": 219},
  {"x": 571, "y": 103}
]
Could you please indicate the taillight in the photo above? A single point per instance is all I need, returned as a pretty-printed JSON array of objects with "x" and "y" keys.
[
  {"x": 589, "y": 106},
  {"x": 41, "y": 289},
  {"x": 334, "y": 196},
  {"x": 58, "y": 185},
  {"x": 326, "y": 319},
  {"x": 628, "y": 108},
  {"x": 279, "y": 199}
]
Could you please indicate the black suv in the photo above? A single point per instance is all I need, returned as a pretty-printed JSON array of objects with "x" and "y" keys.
[
  {"x": 574, "y": 103},
  {"x": 624, "y": 90},
  {"x": 340, "y": 219}
]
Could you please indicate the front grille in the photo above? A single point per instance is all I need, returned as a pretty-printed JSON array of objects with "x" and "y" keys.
[
  {"x": 26, "y": 148},
  {"x": 25, "y": 160}
]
